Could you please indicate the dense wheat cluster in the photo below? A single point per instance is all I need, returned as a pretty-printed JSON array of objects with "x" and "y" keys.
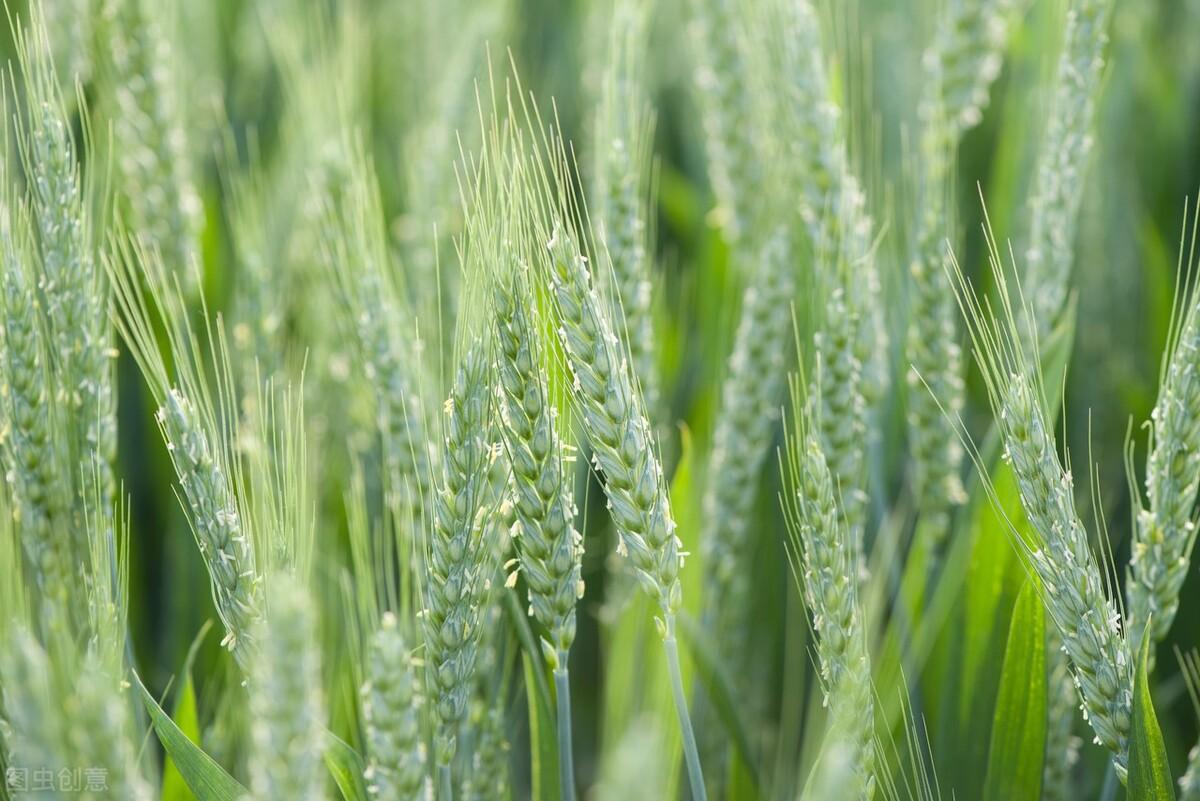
[{"x": 448, "y": 400}]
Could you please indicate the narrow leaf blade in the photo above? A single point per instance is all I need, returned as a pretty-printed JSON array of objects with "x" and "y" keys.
[
  {"x": 1149, "y": 771},
  {"x": 207, "y": 779},
  {"x": 346, "y": 767},
  {"x": 1018, "y": 746}
]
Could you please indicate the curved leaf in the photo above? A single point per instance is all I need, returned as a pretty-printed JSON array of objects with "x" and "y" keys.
[
  {"x": 346, "y": 767},
  {"x": 1149, "y": 771},
  {"x": 207, "y": 779}
]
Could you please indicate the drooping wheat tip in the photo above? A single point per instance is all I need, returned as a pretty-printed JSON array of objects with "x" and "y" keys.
[
  {"x": 391, "y": 706},
  {"x": 549, "y": 546},
  {"x": 287, "y": 719},
  {"x": 1059, "y": 178},
  {"x": 751, "y": 395},
  {"x": 216, "y": 522},
  {"x": 614, "y": 416},
  {"x": 459, "y": 560},
  {"x": 826, "y": 566}
]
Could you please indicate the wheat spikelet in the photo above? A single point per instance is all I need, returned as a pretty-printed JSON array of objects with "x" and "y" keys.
[
  {"x": 826, "y": 563},
  {"x": 357, "y": 259},
  {"x": 851, "y": 339},
  {"x": 1059, "y": 178},
  {"x": 76, "y": 299},
  {"x": 32, "y": 446},
  {"x": 614, "y": 416},
  {"x": 751, "y": 394},
  {"x": 624, "y": 141},
  {"x": 287, "y": 718},
  {"x": 718, "y": 49},
  {"x": 1072, "y": 583},
  {"x": 391, "y": 716},
  {"x": 960, "y": 66},
  {"x": 1166, "y": 530},
  {"x": 549, "y": 547},
  {"x": 154, "y": 161},
  {"x": 458, "y": 562},
  {"x": 216, "y": 521}
]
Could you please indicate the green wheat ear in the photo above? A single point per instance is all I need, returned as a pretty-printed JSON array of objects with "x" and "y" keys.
[
  {"x": 458, "y": 562},
  {"x": 825, "y": 563},
  {"x": 287, "y": 714},
  {"x": 1074, "y": 589}
]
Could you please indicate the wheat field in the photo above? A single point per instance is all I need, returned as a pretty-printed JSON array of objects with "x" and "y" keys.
[{"x": 599, "y": 399}]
